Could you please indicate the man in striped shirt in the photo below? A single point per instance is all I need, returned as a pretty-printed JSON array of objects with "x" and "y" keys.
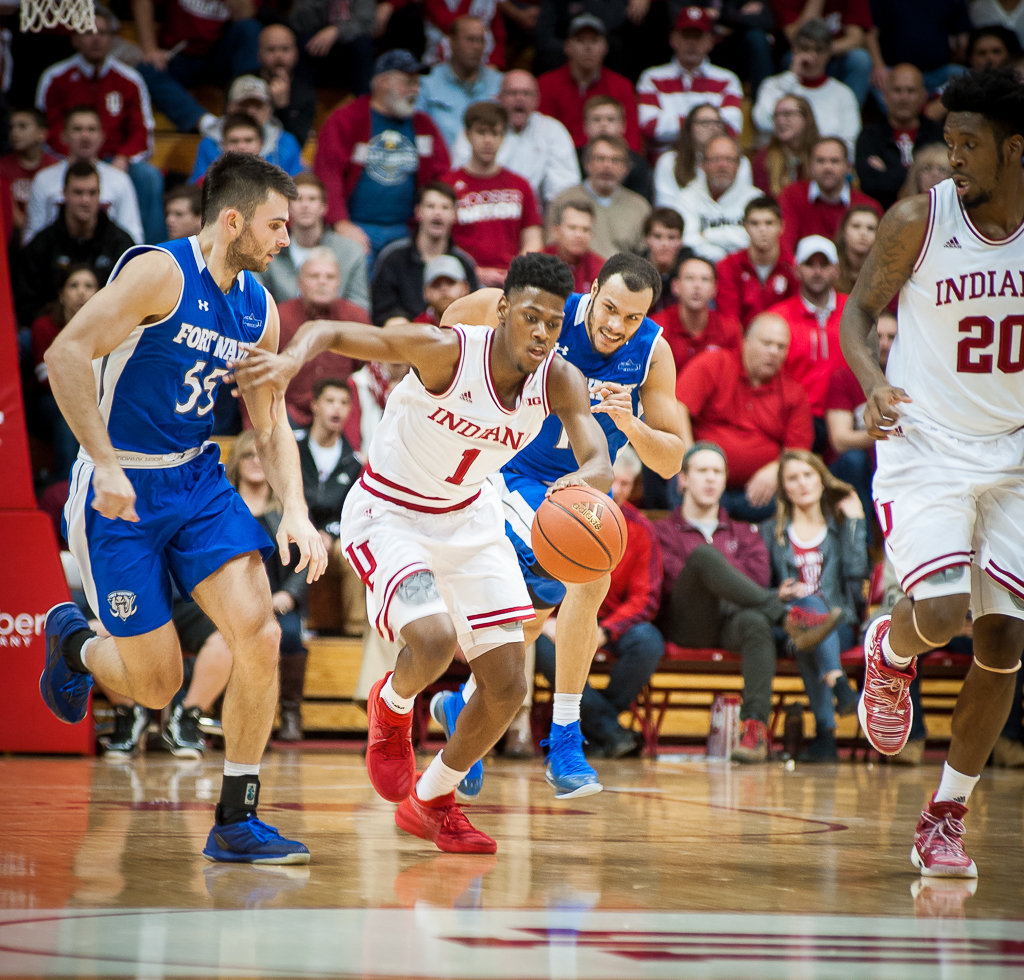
[{"x": 667, "y": 93}]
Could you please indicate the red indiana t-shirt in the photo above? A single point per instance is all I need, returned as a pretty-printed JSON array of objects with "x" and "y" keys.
[
  {"x": 19, "y": 178},
  {"x": 492, "y": 213},
  {"x": 808, "y": 558},
  {"x": 722, "y": 332}
]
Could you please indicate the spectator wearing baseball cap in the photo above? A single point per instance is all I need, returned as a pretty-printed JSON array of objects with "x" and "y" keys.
[
  {"x": 555, "y": 24},
  {"x": 666, "y": 93},
  {"x": 373, "y": 152},
  {"x": 565, "y": 91},
  {"x": 249, "y": 95},
  {"x": 813, "y": 316},
  {"x": 444, "y": 281}
]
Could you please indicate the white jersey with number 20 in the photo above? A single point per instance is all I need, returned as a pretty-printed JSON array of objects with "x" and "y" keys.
[{"x": 959, "y": 350}]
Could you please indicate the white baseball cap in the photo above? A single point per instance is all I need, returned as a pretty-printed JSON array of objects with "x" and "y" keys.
[{"x": 815, "y": 245}]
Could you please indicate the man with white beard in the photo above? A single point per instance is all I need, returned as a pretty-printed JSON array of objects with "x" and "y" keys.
[
  {"x": 373, "y": 152},
  {"x": 537, "y": 147}
]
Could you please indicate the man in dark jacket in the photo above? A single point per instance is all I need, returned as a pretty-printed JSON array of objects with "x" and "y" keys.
[
  {"x": 886, "y": 149},
  {"x": 715, "y": 591},
  {"x": 81, "y": 233},
  {"x": 330, "y": 468}
]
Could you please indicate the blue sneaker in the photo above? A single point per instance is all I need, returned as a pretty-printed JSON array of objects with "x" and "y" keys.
[
  {"x": 65, "y": 692},
  {"x": 252, "y": 842},
  {"x": 445, "y": 708},
  {"x": 568, "y": 772}
]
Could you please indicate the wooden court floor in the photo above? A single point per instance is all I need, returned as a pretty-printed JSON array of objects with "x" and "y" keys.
[{"x": 681, "y": 868}]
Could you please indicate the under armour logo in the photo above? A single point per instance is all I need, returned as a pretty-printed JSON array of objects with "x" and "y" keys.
[
  {"x": 952, "y": 243},
  {"x": 204, "y": 305},
  {"x": 466, "y": 397},
  {"x": 562, "y": 349}
]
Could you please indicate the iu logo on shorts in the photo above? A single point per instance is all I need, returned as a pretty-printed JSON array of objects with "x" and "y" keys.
[
  {"x": 884, "y": 512},
  {"x": 122, "y": 604}
]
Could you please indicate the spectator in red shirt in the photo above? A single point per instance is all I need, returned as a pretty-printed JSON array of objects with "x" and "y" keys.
[
  {"x": 850, "y": 23},
  {"x": 813, "y": 316},
  {"x": 28, "y": 134},
  {"x": 79, "y": 284},
  {"x": 121, "y": 100},
  {"x": 816, "y": 206},
  {"x": 752, "y": 409},
  {"x": 663, "y": 236},
  {"x": 691, "y": 326},
  {"x": 572, "y": 227},
  {"x": 715, "y": 590},
  {"x": 625, "y": 622},
  {"x": 373, "y": 152},
  {"x": 564, "y": 91},
  {"x": 444, "y": 281},
  {"x": 498, "y": 215},
  {"x": 844, "y": 416},
  {"x": 752, "y": 280}
]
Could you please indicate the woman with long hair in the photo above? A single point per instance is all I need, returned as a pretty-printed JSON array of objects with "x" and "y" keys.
[
  {"x": 930, "y": 166},
  {"x": 819, "y": 538},
  {"x": 854, "y": 238},
  {"x": 288, "y": 588},
  {"x": 676, "y": 168},
  {"x": 80, "y": 282},
  {"x": 787, "y": 157}
]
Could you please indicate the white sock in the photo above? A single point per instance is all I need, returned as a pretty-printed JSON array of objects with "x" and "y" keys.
[
  {"x": 955, "y": 786},
  {"x": 438, "y": 780},
  {"x": 567, "y": 709},
  {"x": 900, "y": 663},
  {"x": 470, "y": 687},
  {"x": 241, "y": 768},
  {"x": 85, "y": 646},
  {"x": 398, "y": 704}
]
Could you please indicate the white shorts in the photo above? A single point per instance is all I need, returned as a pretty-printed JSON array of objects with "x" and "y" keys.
[
  {"x": 474, "y": 567},
  {"x": 952, "y": 512}
]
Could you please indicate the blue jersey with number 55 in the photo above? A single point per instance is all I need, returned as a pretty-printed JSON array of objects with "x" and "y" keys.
[
  {"x": 157, "y": 388},
  {"x": 549, "y": 456}
]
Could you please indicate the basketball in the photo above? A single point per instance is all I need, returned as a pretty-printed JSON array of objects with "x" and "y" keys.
[{"x": 579, "y": 534}]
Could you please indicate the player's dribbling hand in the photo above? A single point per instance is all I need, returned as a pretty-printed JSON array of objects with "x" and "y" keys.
[
  {"x": 617, "y": 402},
  {"x": 570, "y": 480},
  {"x": 260, "y": 368},
  {"x": 297, "y": 529},
  {"x": 882, "y": 413},
  {"x": 113, "y": 494}
]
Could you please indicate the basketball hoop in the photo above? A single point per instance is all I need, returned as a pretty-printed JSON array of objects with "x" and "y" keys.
[{"x": 77, "y": 15}]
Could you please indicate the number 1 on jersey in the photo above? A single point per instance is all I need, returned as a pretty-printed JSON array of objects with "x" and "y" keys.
[{"x": 468, "y": 458}]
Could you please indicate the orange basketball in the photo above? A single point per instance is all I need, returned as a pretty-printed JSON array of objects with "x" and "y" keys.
[{"x": 579, "y": 534}]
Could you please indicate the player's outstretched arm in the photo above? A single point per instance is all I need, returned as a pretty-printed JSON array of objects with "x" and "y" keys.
[
  {"x": 433, "y": 352},
  {"x": 275, "y": 446},
  {"x": 480, "y": 308},
  {"x": 888, "y": 266},
  {"x": 570, "y": 401},
  {"x": 662, "y": 436},
  {"x": 145, "y": 290}
]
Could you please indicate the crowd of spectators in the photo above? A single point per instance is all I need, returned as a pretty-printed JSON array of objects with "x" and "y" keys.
[{"x": 748, "y": 149}]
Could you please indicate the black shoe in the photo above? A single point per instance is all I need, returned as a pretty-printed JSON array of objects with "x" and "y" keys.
[
  {"x": 130, "y": 724},
  {"x": 846, "y": 697},
  {"x": 182, "y": 734},
  {"x": 822, "y": 748},
  {"x": 620, "y": 742}
]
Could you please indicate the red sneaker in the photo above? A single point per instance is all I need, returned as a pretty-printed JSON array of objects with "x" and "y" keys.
[
  {"x": 884, "y": 709},
  {"x": 442, "y": 821},
  {"x": 390, "y": 760},
  {"x": 753, "y": 744},
  {"x": 938, "y": 848}
]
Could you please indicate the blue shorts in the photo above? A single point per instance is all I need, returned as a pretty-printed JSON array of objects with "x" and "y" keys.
[
  {"x": 191, "y": 521},
  {"x": 520, "y": 497}
]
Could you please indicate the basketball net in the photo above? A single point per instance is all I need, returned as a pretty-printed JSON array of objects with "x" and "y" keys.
[{"x": 77, "y": 15}]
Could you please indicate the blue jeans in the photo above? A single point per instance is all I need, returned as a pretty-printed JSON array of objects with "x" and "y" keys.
[
  {"x": 740, "y": 509},
  {"x": 149, "y": 188},
  {"x": 815, "y": 664},
  {"x": 856, "y": 467},
  {"x": 381, "y": 235},
  {"x": 233, "y": 55},
  {"x": 65, "y": 445},
  {"x": 639, "y": 651}
]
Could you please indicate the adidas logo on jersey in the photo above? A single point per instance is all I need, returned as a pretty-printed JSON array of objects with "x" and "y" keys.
[
  {"x": 466, "y": 396},
  {"x": 952, "y": 243}
]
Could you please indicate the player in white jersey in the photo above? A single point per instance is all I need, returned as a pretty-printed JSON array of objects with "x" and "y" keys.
[
  {"x": 426, "y": 531},
  {"x": 949, "y": 488}
]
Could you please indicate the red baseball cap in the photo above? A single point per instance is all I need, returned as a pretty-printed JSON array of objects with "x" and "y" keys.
[{"x": 694, "y": 19}]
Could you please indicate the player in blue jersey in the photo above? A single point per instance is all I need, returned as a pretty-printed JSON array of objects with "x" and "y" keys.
[
  {"x": 135, "y": 373},
  {"x": 627, "y": 363}
]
